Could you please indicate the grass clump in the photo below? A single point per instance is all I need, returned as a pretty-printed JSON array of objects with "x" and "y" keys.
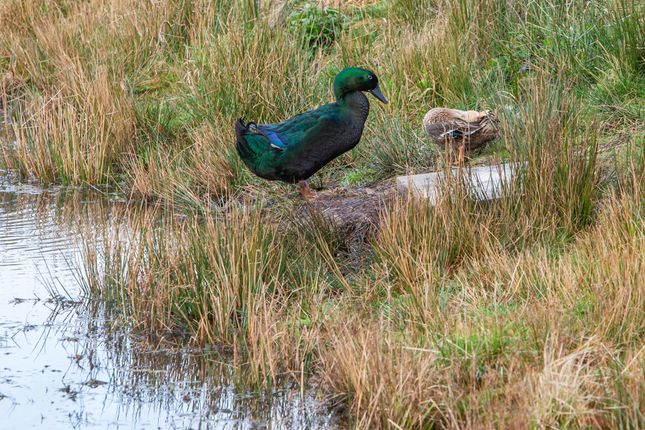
[{"x": 320, "y": 27}]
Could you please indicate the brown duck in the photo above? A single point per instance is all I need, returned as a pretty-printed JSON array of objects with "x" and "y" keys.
[{"x": 460, "y": 131}]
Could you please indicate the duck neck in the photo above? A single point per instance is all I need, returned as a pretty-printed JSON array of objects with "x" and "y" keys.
[{"x": 356, "y": 102}]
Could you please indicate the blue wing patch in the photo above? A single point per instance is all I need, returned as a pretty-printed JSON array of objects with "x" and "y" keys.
[
  {"x": 276, "y": 141},
  {"x": 453, "y": 134}
]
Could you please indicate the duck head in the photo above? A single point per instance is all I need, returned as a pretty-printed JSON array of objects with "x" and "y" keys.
[{"x": 356, "y": 79}]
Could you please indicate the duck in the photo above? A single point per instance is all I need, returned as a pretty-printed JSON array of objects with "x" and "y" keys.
[
  {"x": 293, "y": 150},
  {"x": 459, "y": 130}
]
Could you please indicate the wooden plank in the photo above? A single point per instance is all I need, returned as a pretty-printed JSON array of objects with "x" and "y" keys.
[{"x": 484, "y": 182}]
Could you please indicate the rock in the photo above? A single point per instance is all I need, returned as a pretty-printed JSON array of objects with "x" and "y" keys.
[{"x": 483, "y": 182}]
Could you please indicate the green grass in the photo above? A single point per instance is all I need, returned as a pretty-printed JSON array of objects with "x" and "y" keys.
[{"x": 526, "y": 311}]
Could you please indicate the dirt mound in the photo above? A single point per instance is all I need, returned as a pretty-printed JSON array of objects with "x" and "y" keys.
[{"x": 351, "y": 214}]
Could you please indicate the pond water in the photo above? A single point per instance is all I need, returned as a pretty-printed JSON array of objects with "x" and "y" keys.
[{"x": 65, "y": 363}]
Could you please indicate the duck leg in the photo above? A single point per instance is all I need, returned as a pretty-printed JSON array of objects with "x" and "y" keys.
[
  {"x": 305, "y": 191},
  {"x": 456, "y": 154},
  {"x": 460, "y": 153}
]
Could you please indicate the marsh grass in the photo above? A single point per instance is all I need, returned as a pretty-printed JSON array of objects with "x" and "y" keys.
[
  {"x": 139, "y": 85},
  {"x": 526, "y": 311}
]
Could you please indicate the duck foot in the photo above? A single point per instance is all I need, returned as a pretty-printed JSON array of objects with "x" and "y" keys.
[{"x": 305, "y": 191}]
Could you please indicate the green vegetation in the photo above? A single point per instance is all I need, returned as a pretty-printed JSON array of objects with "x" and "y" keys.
[
  {"x": 319, "y": 26},
  {"x": 526, "y": 312}
]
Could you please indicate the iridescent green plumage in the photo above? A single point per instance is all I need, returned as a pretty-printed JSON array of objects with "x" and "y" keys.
[{"x": 295, "y": 149}]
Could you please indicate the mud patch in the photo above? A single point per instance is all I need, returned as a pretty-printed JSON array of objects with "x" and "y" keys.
[{"x": 352, "y": 213}]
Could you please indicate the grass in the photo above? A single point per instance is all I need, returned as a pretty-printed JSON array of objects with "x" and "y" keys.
[{"x": 523, "y": 312}]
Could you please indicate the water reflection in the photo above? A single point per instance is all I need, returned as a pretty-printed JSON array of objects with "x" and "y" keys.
[{"x": 66, "y": 362}]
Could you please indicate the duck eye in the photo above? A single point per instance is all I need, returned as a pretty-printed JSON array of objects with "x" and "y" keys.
[{"x": 369, "y": 77}]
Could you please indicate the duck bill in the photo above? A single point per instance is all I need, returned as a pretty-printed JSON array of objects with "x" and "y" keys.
[{"x": 376, "y": 92}]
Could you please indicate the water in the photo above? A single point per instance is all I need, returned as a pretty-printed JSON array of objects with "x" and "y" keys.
[{"x": 65, "y": 363}]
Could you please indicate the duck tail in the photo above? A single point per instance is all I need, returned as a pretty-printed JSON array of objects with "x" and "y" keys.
[
  {"x": 240, "y": 128},
  {"x": 243, "y": 148}
]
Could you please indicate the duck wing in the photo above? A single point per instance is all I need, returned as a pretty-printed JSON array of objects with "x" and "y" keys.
[
  {"x": 256, "y": 149},
  {"x": 452, "y": 129},
  {"x": 292, "y": 132},
  {"x": 473, "y": 134},
  {"x": 326, "y": 138}
]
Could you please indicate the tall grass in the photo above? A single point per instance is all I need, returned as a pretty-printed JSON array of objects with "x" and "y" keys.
[
  {"x": 231, "y": 280},
  {"x": 526, "y": 311},
  {"x": 139, "y": 86},
  {"x": 473, "y": 334},
  {"x": 455, "y": 322}
]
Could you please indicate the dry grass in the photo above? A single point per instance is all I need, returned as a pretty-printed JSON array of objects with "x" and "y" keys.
[
  {"x": 509, "y": 340},
  {"x": 449, "y": 325},
  {"x": 522, "y": 312},
  {"x": 148, "y": 93}
]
